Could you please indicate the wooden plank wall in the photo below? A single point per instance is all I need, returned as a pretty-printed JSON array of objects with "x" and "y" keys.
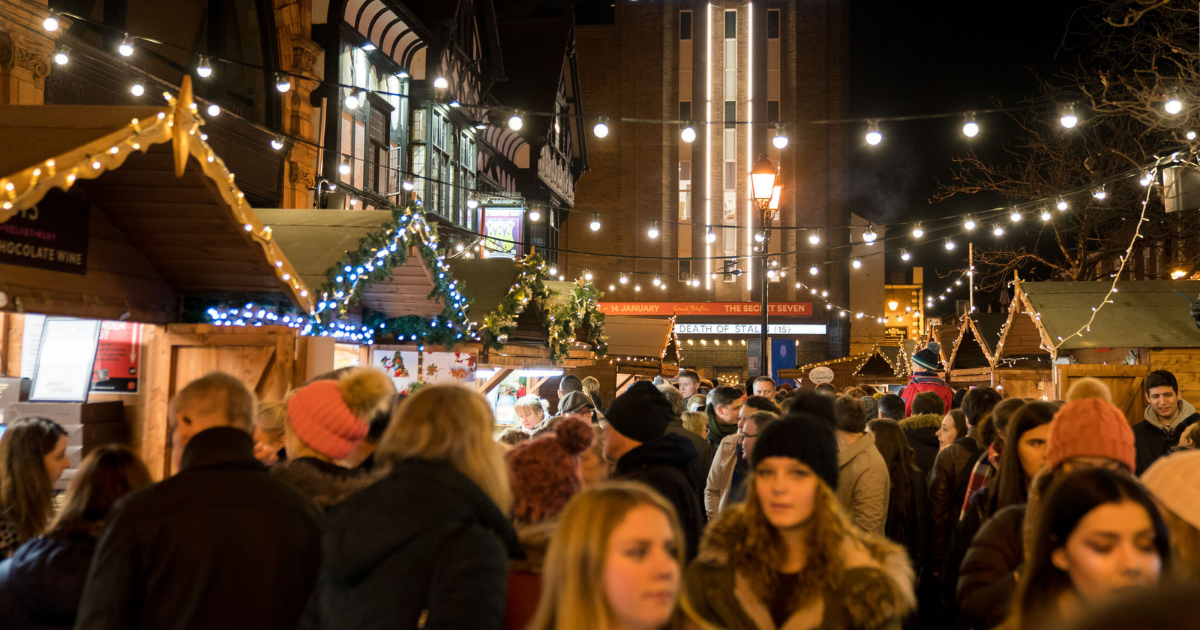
[
  {"x": 1015, "y": 383},
  {"x": 1125, "y": 382}
]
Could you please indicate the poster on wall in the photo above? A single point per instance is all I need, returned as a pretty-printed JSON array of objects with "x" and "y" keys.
[
  {"x": 53, "y": 234},
  {"x": 502, "y": 227},
  {"x": 412, "y": 370},
  {"x": 65, "y": 359},
  {"x": 118, "y": 358}
]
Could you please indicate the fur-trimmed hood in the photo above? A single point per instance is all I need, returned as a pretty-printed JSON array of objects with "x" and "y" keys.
[
  {"x": 326, "y": 484},
  {"x": 876, "y": 590},
  {"x": 923, "y": 421},
  {"x": 534, "y": 539}
]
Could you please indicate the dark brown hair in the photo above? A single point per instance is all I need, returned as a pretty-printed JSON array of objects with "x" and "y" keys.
[
  {"x": 893, "y": 446},
  {"x": 1010, "y": 488},
  {"x": 849, "y": 414},
  {"x": 25, "y": 488},
  {"x": 106, "y": 474},
  {"x": 928, "y": 402}
]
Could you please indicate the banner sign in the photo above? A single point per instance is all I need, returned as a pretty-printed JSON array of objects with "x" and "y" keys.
[
  {"x": 50, "y": 235},
  {"x": 502, "y": 229},
  {"x": 795, "y": 309},
  {"x": 411, "y": 370},
  {"x": 118, "y": 358},
  {"x": 749, "y": 329}
]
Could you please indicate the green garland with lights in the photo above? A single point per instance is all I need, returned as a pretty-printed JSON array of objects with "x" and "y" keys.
[
  {"x": 378, "y": 253},
  {"x": 561, "y": 324}
]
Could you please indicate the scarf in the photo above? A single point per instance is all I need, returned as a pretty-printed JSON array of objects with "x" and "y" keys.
[{"x": 719, "y": 429}]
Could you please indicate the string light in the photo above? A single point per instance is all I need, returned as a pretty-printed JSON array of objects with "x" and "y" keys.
[
  {"x": 1062, "y": 204},
  {"x": 949, "y": 245},
  {"x": 454, "y": 103},
  {"x": 969, "y": 224},
  {"x": 601, "y": 129},
  {"x": 51, "y": 22},
  {"x": 344, "y": 167},
  {"x": 1068, "y": 119},
  {"x": 472, "y": 202},
  {"x": 277, "y": 143},
  {"x": 688, "y": 134},
  {"x": 780, "y": 141},
  {"x": 1147, "y": 179},
  {"x": 814, "y": 237},
  {"x": 856, "y": 263},
  {"x": 282, "y": 83},
  {"x": 534, "y": 215},
  {"x": 759, "y": 236},
  {"x": 125, "y": 49},
  {"x": 587, "y": 275},
  {"x": 137, "y": 89},
  {"x": 710, "y": 236},
  {"x": 624, "y": 280},
  {"x": 998, "y": 230},
  {"x": 1015, "y": 216},
  {"x": 1046, "y": 216},
  {"x": 1100, "y": 194},
  {"x": 657, "y": 280},
  {"x": 814, "y": 270},
  {"x": 653, "y": 231},
  {"x": 554, "y": 271},
  {"x": 515, "y": 122},
  {"x": 873, "y": 137},
  {"x": 204, "y": 68},
  {"x": 352, "y": 100},
  {"x": 440, "y": 83},
  {"x": 408, "y": 185},
  {"x": 869, "y": 234},
  {"x": 970, "y": 128},
  {"x": 213, "y": 110},
  {"x": 62, "y": 56},
  {"x": 595, "y": 224},
  {"x": 918, "y": 232},
  {"x": 905, "y": 256},
  {"x": 1173, "y": 105}
]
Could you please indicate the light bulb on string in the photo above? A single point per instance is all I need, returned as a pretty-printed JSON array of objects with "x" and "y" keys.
[
  {"x": 814, "y": 237},
  {"x": 949, "y": 245},
  {"x": 213, "y": 110},
  {"x": 814, "y": 270},
  {"x": 1046, "y": 216},
  {"x": 454, "y": 103},
  {"x": 137, "y": 89},
  {"x": 759, "y": 236},
  {"x": 587, "y": 275},
  {"x": 601, "y": 129},
  {"x": 1068, "y": 119},
  {"x": 1062, "y": 204},
  {"x": 344, "y": 167},
  {"x": 62, "y": 57},
  {"x": 554, "y": 271},
  {"x": 856, "y": 263},
  {"x": 1015, "y": 216},
  {"x": 624, "y": 280},
  {"x": 905, "y": 256},
  {"x": 688, "y": 134},
  {"x": 653, "y": 231},
  {"x": 1190, "y": 135},
  {"x": 595, "y": 224},
  {"x": 869, "y": 235},
  {"x": 969, "y": 224},
  {"x": 472, "y": 202},
  {"x": 710, "y": 236},
  {"x": 1100, "y": 194},
  {"x": 440, "y": 83},
  {"x": 1147, "y": 179},
  {"x": 657, "y": 281},
  {"x": 283, "y": 82},
  {"x": 780, "y": 141},
  {"x": 970, "y": 128},
  {"x": 1173, "y": 105},
  {"x": 125, "y": 49},
  {"x": 352, "y": 100},
  {"x": 277, "y": 143},
  {"x": 874, "y": 136},
  {"x": 535, "y": 215},
  {"x": 51, "y": 22},
  {"x": 998, "y": 230},
  {"x": 918, "y": 232},
  {"x": 204, "y": 69},
  {"x": 515, "y": 122},
  {"x": 408, "y": 185}
]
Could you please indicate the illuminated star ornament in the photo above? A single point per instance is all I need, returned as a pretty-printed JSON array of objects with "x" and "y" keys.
[{"x": 181, "y": 125}]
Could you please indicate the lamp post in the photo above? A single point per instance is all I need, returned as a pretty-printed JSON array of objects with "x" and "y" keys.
[{"x": 766, "y": 195}]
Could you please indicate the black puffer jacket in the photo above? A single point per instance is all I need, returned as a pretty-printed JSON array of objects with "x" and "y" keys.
[
  {"x": 423, "y": 547},
  {"x": 947, "y": 489},
  {"x": 921, "y": 432},
  {"x": 662, "y": 464},
  {"x": 41, "y": 584},
  {"x": 987, "y": 577}
]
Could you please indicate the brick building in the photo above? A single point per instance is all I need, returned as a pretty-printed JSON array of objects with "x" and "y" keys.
[{"x": 739, "y": 72}]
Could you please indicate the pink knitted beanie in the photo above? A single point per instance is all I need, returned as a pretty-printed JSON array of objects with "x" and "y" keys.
[{"x": 330, "y": 416}]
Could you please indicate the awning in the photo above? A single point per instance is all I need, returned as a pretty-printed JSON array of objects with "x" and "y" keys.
[
  {"x": 164, "y": 217},
  {"x": 642, "y": 345}
]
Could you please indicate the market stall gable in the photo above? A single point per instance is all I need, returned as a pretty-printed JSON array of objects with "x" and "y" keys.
[
  {"x": 883, "y": 366},
  {"x": 378, "y": 272},
  {"x": 120, "y": 212},
  {"x": 843, "y": 371},
  {"x": 971, "y": 359},
  {"x": 946, "y": 335},
  {"x": 642, "y": 346}
]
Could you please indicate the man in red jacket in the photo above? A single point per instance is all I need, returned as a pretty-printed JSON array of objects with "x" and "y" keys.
[{"x": 924, "y": 378}]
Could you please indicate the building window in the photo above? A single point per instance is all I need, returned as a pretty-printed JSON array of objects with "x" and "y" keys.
[
  {"x": 685, "y": 25},
  {"x": 731, "y": 175},
  {"x": 772, "y": 111},
  {"x": 685, "y": 269},
  {"x": 685, "y": 110},
  {"x": 773, "y": 24},
  {"x": 731, "y": 25},
  {"x": 685, "y": 191},
  {"x": 730, "y": 114},
  {"x": 377, "y": 146},
  {"x": 466, "y": 175},
  {"x": 727, "y": 269}
]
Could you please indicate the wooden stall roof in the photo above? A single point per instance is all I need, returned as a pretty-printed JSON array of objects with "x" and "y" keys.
[
  {"x": 946, "y": 336},
  {"x": 167, "y": 219},
  {"x": 1143, "y": 313},
  {"x": 883, "y": 363},
  {"x": 843, "y": 370},
  {"x": 988, "y": 328},
  {"x": 486, "y": 282},
  {"x": 317, "y": 240},
  {"x": 978, "y": 336}
]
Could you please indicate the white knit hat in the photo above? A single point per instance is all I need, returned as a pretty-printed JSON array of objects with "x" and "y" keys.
[{"x": 1175, "y": 481}]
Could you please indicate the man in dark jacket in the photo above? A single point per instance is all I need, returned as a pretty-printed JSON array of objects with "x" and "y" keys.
[
  {"x": 1167, "y": 417},
  {"x": 698, "y": 468},
  {"x": 221, "y": 544},
  {"x": 635, "y": 439},
  {"x": 952, "y": 470}
]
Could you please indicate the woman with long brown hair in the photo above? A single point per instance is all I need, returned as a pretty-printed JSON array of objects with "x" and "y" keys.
[
  {"x": 788, "y": 556},
  {"x": 40, "y": 586},
  {"x": 33, "y": 455},
  {"x": 908, "y": 520},
  {"x": 428, "y": 544}
]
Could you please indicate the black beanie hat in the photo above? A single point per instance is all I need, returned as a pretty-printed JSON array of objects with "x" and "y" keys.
[
  {"x": 642, "y": 413},
  {"x": 804, "y": 438}
]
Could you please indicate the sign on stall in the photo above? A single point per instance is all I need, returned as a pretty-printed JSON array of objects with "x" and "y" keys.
[
  {"x": 118, "y": 358},
  {"x": 795, "y": 309},
  {"x": 411, "y": 370},
  {"x": 50, "y": 235},
  {"x": 502, "y": 229},
  {"x": 749, "y": 329},
  {"x": 64, "y": 361}
]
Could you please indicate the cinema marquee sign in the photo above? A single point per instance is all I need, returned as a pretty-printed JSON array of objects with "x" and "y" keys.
[{"x": 667, "y": 309}]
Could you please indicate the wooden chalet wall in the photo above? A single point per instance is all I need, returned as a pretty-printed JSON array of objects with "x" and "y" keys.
[
  {"x": 1125, "y": 382},
  {"x": 1020, "y": 383}
]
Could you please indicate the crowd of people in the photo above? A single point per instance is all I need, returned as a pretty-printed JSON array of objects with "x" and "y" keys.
[{"x": 672, "y": 505}]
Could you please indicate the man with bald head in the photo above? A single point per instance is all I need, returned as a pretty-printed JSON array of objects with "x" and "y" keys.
[{"x": 222, "y": 544}]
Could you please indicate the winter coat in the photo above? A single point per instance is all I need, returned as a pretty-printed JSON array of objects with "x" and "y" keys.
[
  {"x": 875, "y": 591},
  {"x": 697, "y": 468},
  {"x": 720, "y": 477},
  {"x": 717, "y": 430},
  {"x": 222, "y": 544},
  {"x": 864, "y": 485},
  {"x": 525, "y": 576},
  {"x": 662, "y": 464},
  {"x": 41, "y": 584},
  {"x": 1153, "y": 440},
  {"x": 325, "y": 483},
  {"x": 921, "y": 432},
  {"x": 422, "y": 547},
  {"x": 916, "y": 531},
  {"x": 926, "y": 382},
  {"x": 987, "y": 576},
  {"x": 10, "y": 538},
  {"x": 947, "y": 487}
]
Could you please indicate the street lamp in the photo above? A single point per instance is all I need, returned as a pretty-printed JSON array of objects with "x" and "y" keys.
[{"x": 766, "y": 195}]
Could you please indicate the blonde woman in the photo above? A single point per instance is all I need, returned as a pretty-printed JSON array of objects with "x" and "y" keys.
[
  {"x": 531, "y": 413},
  {"x": 591, "y": 385},
  {"x": 269, "y": 432},
  {"x": 696, "y": 422},
  {"x": 428, "y": 544},
  {"x": 614, "y": 563},
  {"x": 788, "y": 556}
]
